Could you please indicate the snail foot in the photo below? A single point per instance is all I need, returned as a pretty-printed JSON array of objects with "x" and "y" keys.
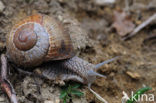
[
  {"x": 62, "y": 75},
  {"x": 92, "y": 73}
]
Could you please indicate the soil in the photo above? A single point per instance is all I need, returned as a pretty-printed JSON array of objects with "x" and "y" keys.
[{"x": 135, "y": 68}]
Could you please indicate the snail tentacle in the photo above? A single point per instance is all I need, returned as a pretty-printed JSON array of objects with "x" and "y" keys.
[
  {"x": 91, "y": 72},
  {"x": 106, "y": 62}
]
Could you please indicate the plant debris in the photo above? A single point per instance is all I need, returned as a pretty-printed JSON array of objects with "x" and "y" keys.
[
  {"x": 141, "y": 26},
  {"x": 122, "y": 23}
]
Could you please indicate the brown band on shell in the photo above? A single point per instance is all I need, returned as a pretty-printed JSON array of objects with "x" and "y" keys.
[
  {"x": 34, "y": 18},
  {"x": 25, "y": 37},
  {"x": 60, "y": 42}
]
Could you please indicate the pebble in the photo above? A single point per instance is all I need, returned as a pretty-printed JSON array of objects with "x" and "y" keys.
[
  {"x": 104, "y": 2},
  {"x": 2, "y": 6},
  {"x": 2, "y": 99},
  {"x": 50, "y": 101},
  {"x": 133, "y": 75}
]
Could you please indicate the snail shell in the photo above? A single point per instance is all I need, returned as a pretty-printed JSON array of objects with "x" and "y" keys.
[{"x": 36, "y": 39}]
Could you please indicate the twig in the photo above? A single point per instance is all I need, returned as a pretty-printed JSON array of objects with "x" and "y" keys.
[
  {"x": 149, "y": 38},
  {"x": 3, "y": 67},
  {"x": 97, "y": 95},
  {"x": 5, "y": 84},
  {"x": 141, "y": 26}
]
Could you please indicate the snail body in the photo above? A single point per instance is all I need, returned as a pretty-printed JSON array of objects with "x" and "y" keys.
[{"x": 40, "y": 38}]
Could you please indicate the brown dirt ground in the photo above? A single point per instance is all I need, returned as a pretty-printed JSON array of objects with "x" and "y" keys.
[{"x": 137, "y": 56}]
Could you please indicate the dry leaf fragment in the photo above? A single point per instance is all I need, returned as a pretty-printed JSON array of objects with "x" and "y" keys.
[{"x": 122, "y": 23}]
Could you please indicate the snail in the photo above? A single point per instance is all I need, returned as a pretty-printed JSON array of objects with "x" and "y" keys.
[
  {"x": 40, "y": 38},
  {"x": 42, "y": 41}
]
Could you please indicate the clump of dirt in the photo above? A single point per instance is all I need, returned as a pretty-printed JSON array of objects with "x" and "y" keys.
[{"x": 137, "y": 55}]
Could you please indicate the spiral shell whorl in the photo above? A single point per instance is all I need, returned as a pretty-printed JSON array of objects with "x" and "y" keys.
[
  {"x": 36, "y": 39},
  {"x": 33, "y": 51},
  {"x": 25, "y": 38}
]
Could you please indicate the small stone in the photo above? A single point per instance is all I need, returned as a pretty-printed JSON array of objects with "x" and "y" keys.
[
  {"x": 48, "y": 101},
  {"x": 61, "y": 1},
  {"x": 38, "y": 71},
  {"x": 60, "y": 17},
  {"x": 54, "y": 101},
  {"x": 2, "y": 99},
  {"x": 2, "y": 6},
  {"x": 133, "y": 75},
  {"x": 104, "y": 2},
  {"x": 138, "y": 22},
  {"x": 79, "y": 100},
  {"x": 112, "y": 74},
  {"x": 60, "y": 82},
  {"x": 44, "y": 85}
]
